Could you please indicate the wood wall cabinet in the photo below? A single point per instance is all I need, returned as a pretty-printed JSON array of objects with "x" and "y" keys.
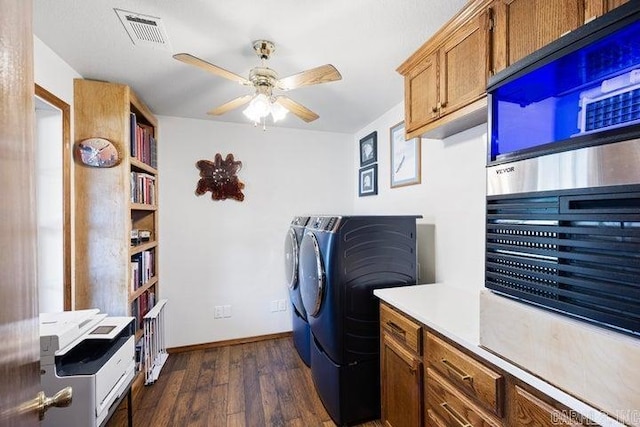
[
  {"x": 113, "y": 202},
  {"x": 524, "y": 26},
  {"x": 457, "y": 388},
  {"x": 448, "y": 73},
  {"x": 445, "y": 80},
  {"x": 596, "y": 8},
  {"x": 401, "y": 365}
]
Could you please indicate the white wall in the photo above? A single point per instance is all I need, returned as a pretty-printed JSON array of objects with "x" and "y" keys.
[
  {"x": 53, "y": 74},
  {"x": 229, "y": 252},
  {"x": 450, "y": 197}
]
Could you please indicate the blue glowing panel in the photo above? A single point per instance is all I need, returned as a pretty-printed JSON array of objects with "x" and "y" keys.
[{"x": 592, "y": 89}]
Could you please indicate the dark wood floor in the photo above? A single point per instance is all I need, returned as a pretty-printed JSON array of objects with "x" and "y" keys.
[{"x": 254, "y": 385}]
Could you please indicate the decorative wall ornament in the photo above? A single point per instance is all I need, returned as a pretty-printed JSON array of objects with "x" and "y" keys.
[{"x": 219, "y": 177}]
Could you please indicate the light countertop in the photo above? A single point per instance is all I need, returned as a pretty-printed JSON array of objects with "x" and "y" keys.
[{"x": 455, "y": 313}]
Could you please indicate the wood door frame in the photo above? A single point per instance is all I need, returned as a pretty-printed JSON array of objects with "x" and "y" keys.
[{"x": 47, "y": 96}]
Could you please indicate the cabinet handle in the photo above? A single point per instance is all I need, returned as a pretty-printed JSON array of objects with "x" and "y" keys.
[
  {"x": 396, "y": 329},
  {"x": 459, "y": 372},
  {"x": 434, "y": 109},
  {"x": 443, "y": 104},
  {"x": 453, "y": 414}
]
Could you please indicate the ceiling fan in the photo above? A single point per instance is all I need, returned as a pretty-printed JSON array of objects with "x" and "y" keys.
[{"x": 264, "y": 80}]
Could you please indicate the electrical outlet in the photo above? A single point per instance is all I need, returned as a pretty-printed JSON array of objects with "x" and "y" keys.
[
  {"x": 218, "y": 312},
  {"x": 226, "y": 310},
  {"x": 274, "y": 306},
  {"x": 282, "y": 305}
]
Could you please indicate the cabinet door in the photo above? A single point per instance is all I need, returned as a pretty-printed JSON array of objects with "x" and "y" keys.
[
  {"x": 401, "y": 376},
  {"x": 421, "y": 93},
  {"x": 464, "y": 65},
  {"x": 596, "y": 8},
  {"x": 524, "y": 26}
]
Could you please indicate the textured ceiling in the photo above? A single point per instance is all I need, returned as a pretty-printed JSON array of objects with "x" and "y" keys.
[{"x": 366, "y": 40}]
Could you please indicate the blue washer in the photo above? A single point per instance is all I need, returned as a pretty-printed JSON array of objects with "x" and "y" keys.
[
  {"x": 342, "y": 261},
  {"x": 300, "y": 325}
]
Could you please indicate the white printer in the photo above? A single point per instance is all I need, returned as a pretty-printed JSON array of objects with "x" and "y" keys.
[{"x": 92, "y": 353}]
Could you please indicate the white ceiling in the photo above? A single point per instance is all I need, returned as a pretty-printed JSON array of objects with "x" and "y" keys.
[{"x": 366, "y": 40}]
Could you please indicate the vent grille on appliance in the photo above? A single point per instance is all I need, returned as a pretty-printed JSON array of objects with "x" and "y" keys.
[
  {"x": 576, "y": 252},
  {"x": 144, "y": 30}
]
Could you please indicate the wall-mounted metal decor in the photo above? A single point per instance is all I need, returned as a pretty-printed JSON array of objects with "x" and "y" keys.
[{"x": 219, "y": 177}]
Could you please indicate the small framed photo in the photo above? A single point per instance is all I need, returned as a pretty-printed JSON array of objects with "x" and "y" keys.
[
  {"x": 368, "y": 181},
  {"x": 369, "y": 149},
  {"x": 405, "y": 158}
]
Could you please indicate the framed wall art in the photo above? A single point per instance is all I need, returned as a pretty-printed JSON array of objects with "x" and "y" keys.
[
  {"x": 405, "y": 158},
  {"x": 369, "y": 149},
  {"x": 368, "y": 181}
]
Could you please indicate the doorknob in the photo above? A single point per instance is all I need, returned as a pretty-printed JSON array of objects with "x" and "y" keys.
[{"x": 41, "y": 403}]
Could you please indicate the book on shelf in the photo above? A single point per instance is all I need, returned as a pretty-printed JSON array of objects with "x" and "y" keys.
[
  {"x": 143, "y": 266},
  {"x": 143, "y": 188},
  {"x": 143, "y": 144}
]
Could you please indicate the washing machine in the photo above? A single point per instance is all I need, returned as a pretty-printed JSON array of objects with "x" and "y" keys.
[
  {"x": 343, "y": 259},
  {"x": 300, "y": 325}
]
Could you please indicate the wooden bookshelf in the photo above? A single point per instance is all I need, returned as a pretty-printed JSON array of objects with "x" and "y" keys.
[{"x": 109, "y": 206}]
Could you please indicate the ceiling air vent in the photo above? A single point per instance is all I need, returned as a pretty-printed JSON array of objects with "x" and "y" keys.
[{"x": 144, "y": 30}]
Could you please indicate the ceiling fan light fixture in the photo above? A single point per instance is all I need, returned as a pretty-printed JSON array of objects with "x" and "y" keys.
[
  {"x": 278, "y": 112},
  {"x": 261, "y": 106}
]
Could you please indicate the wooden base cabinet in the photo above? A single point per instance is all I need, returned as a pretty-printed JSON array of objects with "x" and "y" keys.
[
  {"x": 401, "y": 369},
  {"x": 439, "y": 383},
  {"x": 401, "y": 384}
]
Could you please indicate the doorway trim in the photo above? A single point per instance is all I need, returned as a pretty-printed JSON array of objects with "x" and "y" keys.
[{"x": 47, "y": 96}]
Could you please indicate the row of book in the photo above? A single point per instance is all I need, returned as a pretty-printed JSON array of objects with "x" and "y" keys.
[
  {"x": 143, "y": 188},
  {"x": 143, "y": 267},
  {"x": 143, "y": 142},
  {"x": 141, "y": 306}
]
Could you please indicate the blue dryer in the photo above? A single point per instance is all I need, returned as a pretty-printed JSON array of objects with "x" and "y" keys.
[
  {"x": 301, "y": 331},
  {"x": 342, "y": 260}
]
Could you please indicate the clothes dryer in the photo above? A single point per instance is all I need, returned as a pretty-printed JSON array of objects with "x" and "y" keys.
[
  {"x": 342, "y": 261},
  {"x": 300, "y": 326}
]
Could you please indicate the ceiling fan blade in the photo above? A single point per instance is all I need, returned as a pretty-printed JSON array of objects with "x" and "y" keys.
[
  {"x": 234, "y": 103},
  {"x": 200, "y": 63},
  {"x": 298, "y": 109},
  {"x": 323, "y": 74}
]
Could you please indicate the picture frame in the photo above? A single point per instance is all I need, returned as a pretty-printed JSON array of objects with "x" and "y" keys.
[
  {"x": 369, "y": 149},
  {"x": 368, "y": 181},
  {"x": 405, "y": 158}
]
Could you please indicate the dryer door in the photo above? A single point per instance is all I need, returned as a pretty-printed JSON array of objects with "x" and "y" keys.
[
  {"x": 291, "y": 259},
  {"x": 312, "y": 275}
]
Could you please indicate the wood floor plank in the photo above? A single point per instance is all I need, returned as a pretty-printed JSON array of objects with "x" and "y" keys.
[
  {"x": 270, "y": 402},
  {"x": 218, "y": 406},
  {"x": 182, "y": 408},
  {"x": 235, "y": 397},
  {"x": 305, "y": 405},
  {"x": 221, "y": 371},
  {"x": 236, "y": 420},
  {"x": 165, "y": 408},
  {"x": 254, "y": 413},
  {"x": 192, "y": 371},
  {"x": 284, "y": 390}
]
